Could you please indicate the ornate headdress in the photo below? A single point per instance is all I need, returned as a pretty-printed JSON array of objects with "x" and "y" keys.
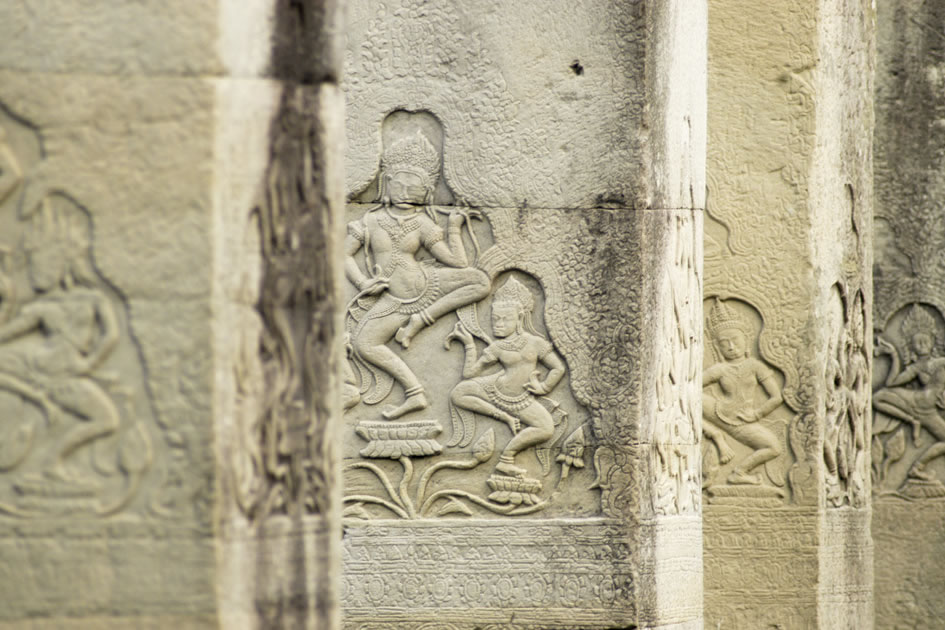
[
  {"x": 58, "y": 224},
  {"x": 918, "y": 320},
  {"x": 514, "y": 292},
  {"x": 723, "y": 317},
  {"x": 413, "y": 154}
]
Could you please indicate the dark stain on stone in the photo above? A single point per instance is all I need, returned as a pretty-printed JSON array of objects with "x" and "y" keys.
[
  {"x": 577, "y": 68},
  {"x": 305, "y": 47}
]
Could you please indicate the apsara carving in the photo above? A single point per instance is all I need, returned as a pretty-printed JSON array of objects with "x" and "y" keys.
[
  {"x": 741, "y": 392},
  {"x": 78, "y": 435},
  {"x": 908, "y": 424},
  {"x": 408, "y": 274}
]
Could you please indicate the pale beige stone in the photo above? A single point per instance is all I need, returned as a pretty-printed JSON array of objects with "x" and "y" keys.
[
  {"x": 170, "y": 195},
  {"x": 243, "y": 38},
  {"x": 521, "y": 438},
  {"x": 788, "y": 288},
  {"x": 554, "y": 98},
  {"x": 908, "y": 430}
]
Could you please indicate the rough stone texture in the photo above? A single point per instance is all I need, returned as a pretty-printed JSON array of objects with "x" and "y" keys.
[
  {"x": 142, "y": 154},
  {"x": 788, "y": 296},
  {"x": 908, "y": 429},
  {"x": 524, "y": 261}
]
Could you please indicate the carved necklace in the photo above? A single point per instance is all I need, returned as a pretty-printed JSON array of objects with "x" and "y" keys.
[
  {"x": 512, "y": 342},
  {"x": 406, "y": 224}
]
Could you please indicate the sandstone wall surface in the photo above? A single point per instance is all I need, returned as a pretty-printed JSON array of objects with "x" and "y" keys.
[
  {"x": 152, "y": 388},
  {"x": 908, "y": 470},
  {"x": 525, "y": 188},
  {"x": 788, "y": 304}
]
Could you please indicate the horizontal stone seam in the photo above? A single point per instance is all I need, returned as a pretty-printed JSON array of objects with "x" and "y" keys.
[
  {"x": 556, "y": 208},
  {"x": 173, "y": 77}
]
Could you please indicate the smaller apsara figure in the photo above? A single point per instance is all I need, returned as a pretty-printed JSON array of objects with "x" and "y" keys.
[
  {"x": 510, "y": 394},
  {"x": 728, "y": 399}
]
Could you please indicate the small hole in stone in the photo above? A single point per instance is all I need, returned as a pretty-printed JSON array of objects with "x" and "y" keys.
[{"x": 577, "y": 68}]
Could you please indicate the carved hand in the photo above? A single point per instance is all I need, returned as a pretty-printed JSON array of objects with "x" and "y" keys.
[
  {"x": 883, "y": 347},
  {"x": 456, "y": 218},
  {"x": 748, "y": 416},
  {"x": 535, "y": 386},
  {"x": 461, "y": 334},
  {"x": 374, "y": 286}
]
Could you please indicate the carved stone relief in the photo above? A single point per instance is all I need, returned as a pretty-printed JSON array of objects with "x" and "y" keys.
[
  {"x": 283, "y": 465},
  {"x": 421, "y": 282},
  {"x": 78, "y": 436},
  {"x": 676, "y": 462},
  {"x": 408, "y": 54},
  {"x": 846, "y": 426},
  {"x": 743, "y": 412},
  {"x": 908, "y": 404}
]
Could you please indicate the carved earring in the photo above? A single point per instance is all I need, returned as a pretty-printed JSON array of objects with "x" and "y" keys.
[{"x": 384, "y": 186}]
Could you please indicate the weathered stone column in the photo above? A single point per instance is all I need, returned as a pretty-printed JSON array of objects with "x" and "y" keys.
[
  {"x": 168, "y": 313},
  {"x": 909, "y": 285},
  {"x": 788, "y": 312},
  {"x": 524, "y": 276}
]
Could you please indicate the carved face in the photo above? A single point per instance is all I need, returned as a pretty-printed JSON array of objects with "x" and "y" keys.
[
  {"x": 47, "y": 267},
  {"x": 406, "y": 189},
  {"x": 505, "y": 318},
  {"x": 922, "y": 344},
  {"x": 732, "y": 344}
]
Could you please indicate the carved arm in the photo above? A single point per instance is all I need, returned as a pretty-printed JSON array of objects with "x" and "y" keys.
[
  {"x": 452, "y": 252},
  {"x": 23, "y": 323},
  {"x": 771, "y": 388},
  {"x": 555, "y": 366},
  {"x": 110, "y": 334}
]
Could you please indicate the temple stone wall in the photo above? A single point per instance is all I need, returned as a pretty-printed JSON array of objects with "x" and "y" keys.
[
  {"x": 160, "y": 164},
  {"x": 788, "y": 310},
  {"x": 525, "y": 187},
  {"x": 909, "y": 281}
]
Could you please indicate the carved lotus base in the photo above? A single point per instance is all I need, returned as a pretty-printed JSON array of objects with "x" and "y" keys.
[
  {"x": 514, "y": 490},
  {"x": 393, "y": 440},
  {"x": 761, "y": 495},
  {"x": 922, "y": 489}
]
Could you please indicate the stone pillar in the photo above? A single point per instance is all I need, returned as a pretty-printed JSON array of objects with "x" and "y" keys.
[
  {"x": 788, "y": 310},
  {"x": 523, "y": 258},
  {"x": 168, "y": 314},
  {"x": 909, "y": 285}
]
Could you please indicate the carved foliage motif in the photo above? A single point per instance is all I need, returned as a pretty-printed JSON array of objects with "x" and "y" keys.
[
  {"x": 411, "y": 54},
  {"x": 284, "y": 398},
  {"x": 78, "y": 435},
  {"x": 410, "y": 45},
  {"x": 909, "y": 404},
  {"x": 675, "y": 461},
  {"x": 846, "y": 426},
  {"x": 510, "y": 372}
]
